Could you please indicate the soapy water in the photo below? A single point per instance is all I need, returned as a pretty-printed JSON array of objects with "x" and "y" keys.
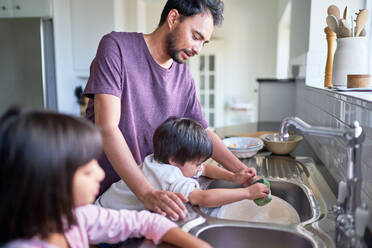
[{"x": 277, "y": 211}]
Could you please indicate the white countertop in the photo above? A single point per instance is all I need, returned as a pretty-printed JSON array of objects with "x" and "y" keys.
[{"x": 362, "y": 95}]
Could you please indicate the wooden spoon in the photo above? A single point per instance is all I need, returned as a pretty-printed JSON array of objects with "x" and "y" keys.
[
  {"x": 334, "y": 10},
  {"x": 332, "y": 23},
  {"x": 363, "y": 32},
  {"x": 345, "y": 13},
  {"x": 361, "y": 21},
  {"x": 343, "y": 29}
]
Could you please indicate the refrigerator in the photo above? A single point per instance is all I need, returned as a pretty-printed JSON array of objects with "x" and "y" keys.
[{"x": 27, "y": 64}]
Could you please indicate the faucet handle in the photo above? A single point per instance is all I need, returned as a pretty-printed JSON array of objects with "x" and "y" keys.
[
  {"x": 361, "y": 220},
  {"x": 342, "y": 192}
]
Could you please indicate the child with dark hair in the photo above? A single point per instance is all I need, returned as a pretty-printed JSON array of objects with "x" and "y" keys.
[
  {"x": 181, "y": 145},
  {"x": 49, "y": 175}
]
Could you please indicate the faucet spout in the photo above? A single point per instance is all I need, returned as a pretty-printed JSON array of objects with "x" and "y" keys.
[{"x": 307, "y": 128}]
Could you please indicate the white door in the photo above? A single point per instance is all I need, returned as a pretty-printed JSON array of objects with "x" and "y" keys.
[{"x": 206, "y": 70}]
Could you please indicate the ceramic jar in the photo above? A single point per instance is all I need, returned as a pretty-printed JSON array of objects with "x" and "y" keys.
[{"x": 351, "y": 57}]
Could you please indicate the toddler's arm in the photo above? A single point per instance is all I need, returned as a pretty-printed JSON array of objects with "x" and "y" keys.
[{"x": 219, "y": 197}]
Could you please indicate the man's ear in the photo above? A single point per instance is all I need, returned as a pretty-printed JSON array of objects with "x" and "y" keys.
[{"x": 173, "y": 19}]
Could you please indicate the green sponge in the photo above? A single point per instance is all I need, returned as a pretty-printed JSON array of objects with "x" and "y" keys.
[{"x": 263, "y": 201}]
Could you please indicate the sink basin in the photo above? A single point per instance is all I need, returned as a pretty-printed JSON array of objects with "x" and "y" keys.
[
  {"x": 235, "y": 236},
  {"x": 290, "y": 192}
]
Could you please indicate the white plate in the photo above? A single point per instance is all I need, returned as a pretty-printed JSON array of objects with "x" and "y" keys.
[
  {"x": 243, "y": 143},
  {"x": 277, "y": 211}
]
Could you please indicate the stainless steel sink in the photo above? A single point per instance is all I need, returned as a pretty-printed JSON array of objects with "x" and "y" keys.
[
  {"x": 245, "y": 237},
  {"x": 296, "y": 181},
  {"x": 290, "y": 192}
]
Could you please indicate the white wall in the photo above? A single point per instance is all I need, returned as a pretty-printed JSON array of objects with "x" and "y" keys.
[
  {"x": 66, "y": 79},
  {"x": 249, "y": 31},
  {"x": 299, "y": 37},
  {"x": 153, "y": 12},
  {"x": 317, "y": 55}
]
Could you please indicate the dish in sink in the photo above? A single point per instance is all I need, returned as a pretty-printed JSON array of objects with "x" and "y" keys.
[{"x": 277, "y": 211}]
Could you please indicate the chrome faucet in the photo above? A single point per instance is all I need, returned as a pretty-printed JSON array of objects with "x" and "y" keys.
[{"x": 351, "y": 216}]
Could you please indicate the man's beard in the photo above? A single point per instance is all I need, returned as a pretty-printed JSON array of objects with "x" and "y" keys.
[{"x": 172, "y": 51}]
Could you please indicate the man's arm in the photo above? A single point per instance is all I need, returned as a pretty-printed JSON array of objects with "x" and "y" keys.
[
  {"x": 223, "y": 156},
  {"x": 107, "y": 117},
  {"x": 216, "y": 172}
]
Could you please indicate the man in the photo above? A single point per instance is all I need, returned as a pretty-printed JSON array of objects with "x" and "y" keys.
[{"x": 137, "y": 81}]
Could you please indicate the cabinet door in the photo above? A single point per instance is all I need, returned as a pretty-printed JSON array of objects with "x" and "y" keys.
[
  {"x": 206, "y": 70},
  {"x": 32, "y": 8},
  {"x": 90, "y": 20},
  {"x": 6, "y": 8}
]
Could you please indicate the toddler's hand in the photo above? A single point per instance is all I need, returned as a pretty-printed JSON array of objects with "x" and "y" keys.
[{"x": 258, "y": 190}]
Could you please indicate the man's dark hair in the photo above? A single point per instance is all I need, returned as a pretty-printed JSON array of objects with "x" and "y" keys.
[
  {"x": 39, "y": 154},
  {"x": 193, "y": 7},
  {"x": 181, "y": 139}
]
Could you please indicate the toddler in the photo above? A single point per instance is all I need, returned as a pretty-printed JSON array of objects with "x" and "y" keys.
[
  {"x": 49, "y": 175},
  {"x": 180, "y": 147}
]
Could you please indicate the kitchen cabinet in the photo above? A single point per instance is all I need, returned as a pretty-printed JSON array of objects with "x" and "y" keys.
[
  {"x": 25, "y": 8},
  {"x": 91, "y": 19},
  {"x": 276, "y": 99}
]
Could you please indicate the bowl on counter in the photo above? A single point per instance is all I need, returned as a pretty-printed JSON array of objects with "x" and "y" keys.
[
  {"x": 281, "y": 147},
  {"x": 243, "y": 147}
]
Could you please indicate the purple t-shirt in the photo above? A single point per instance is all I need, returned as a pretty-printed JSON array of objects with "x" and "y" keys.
[{"x": 149, "y": 93}]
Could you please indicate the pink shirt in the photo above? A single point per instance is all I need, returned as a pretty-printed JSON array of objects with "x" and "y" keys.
[{"x": 100, "y": 225}]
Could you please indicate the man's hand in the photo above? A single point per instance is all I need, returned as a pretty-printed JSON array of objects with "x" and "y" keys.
[
  {"x": 166, "y": 203},
  {"x": 246, "y": 176}
]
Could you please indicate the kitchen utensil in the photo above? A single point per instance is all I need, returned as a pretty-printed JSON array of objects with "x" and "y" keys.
[
  {"x": 363, "y": 33},
  {"x": 256, "y": 134},
  {"x": 332, "y": 23},
  {"x": 243, "y": 147},
  {"x": 334, "y": 10},
  {"x": 276, "y": 146},
  {"x": 331, "y": 44},
  {"x": 277, "y": 211},
  {"x": 359, "y": 81},
  {"x": 361, "y": 21},
  {"x": 345, "y": 13},
  {"x": 343, "y": 29},
  {"x": 259, "y": 133}
]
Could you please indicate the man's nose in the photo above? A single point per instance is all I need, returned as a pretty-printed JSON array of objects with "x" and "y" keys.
[{"x": 197, "y": 48}]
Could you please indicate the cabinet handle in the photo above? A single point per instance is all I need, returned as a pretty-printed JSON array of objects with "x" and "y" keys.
[
  {"x": 3, "y": 7},
  {"x": 18, "y": 7}
]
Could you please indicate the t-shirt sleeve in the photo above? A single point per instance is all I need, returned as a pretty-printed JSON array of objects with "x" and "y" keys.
[
  {"x": 184, "y": 185},
  {"x": 106, "y": 69},
  {"x": 111, "y": 226},
  {"x": 193, "y": 110}
]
